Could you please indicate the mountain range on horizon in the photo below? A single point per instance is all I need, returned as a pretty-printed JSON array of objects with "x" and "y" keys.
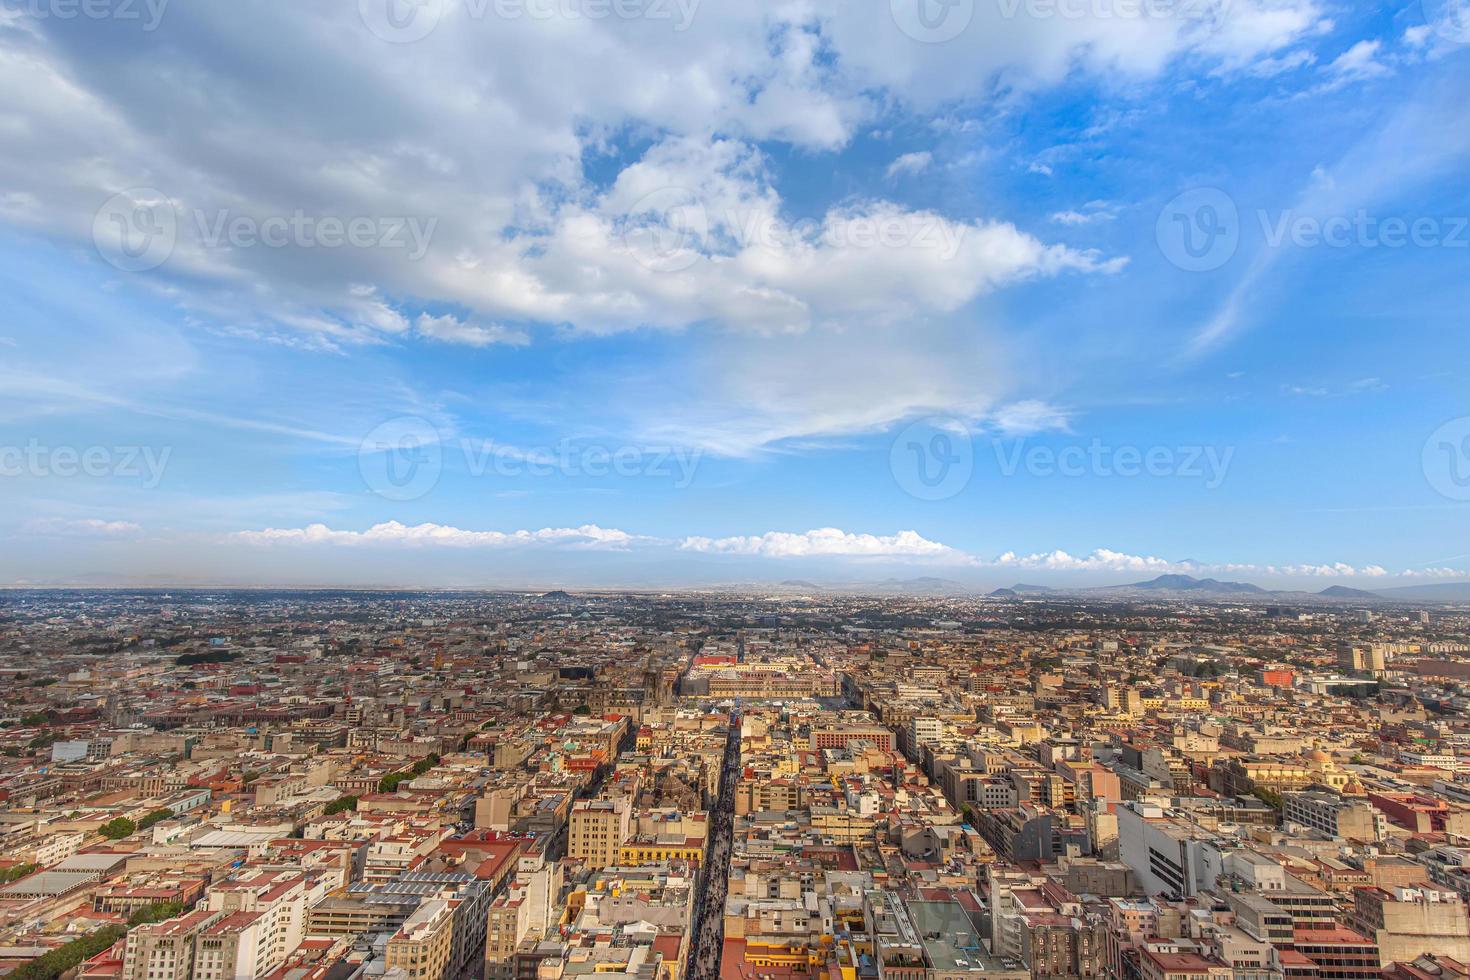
[{"x": 1172, "y": 584}]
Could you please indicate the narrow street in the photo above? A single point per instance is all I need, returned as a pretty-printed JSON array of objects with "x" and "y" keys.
[{"x": 709, "y": 909}]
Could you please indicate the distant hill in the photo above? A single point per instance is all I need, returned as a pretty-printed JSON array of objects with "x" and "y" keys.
[
  {"x": 1188, "y": 583},
  {"x": 1021, "y": 590},
  {"x": 1439, "y": 592},
  {"x": 558, "y": 595},
  {"x": 1343, "y": 592},
  {"x": 796, "y": 583}
]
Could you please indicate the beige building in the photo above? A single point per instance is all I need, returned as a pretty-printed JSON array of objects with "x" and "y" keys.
[
  {"x": 421, "y": 946},
  {"x": 1335, "y": 815},
  {"x": 165, "y": 950},
  {"x": 1406, "y": 923},
  {"x": 597, "y": 829}
]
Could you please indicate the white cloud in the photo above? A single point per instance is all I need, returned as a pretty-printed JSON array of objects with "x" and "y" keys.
[
  {"x": 90, "y": 527},
  {"x": 1358, "y": 63},
  {"x": 1092, "y": 212},
  {"x": 1029, "y": 417},
  {"x": 452, "y": 330},
  {"x": 482, "y": 128},
  {"x": 910, "y": 164},
  {"x": 826, "y": 542},
  {"x": 394, "y": 534},
  {"x": 1101, "y": 560}
]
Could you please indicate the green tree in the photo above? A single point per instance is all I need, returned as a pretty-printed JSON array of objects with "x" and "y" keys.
[
  {"x": 1269, "y": 797},
  {"x": 339, "y": 804},
  {"x": 63, "y": 958},
  {"x": 118, "y": 828},
  {"x": 154, "y": 817},
  {"x": 16, "y": 872},
  {"x": 156, "y": 912}
]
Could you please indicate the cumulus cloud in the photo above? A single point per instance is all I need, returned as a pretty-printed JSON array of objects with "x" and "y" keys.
[
  {"x": 825, "y": 542},
  {"x": 394, "y": 534},
  {"x": 475, "y": 136},
  {"x": 1106, "y": 560},
  {"x": 1101, "y": 560}
]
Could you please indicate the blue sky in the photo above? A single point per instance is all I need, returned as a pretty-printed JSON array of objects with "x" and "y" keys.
[{"x": 562, "y": 293}]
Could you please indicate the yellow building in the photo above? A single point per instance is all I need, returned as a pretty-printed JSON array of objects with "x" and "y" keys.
[
  {"x": 421, "y": 946},
  {"x": 642, "y": 850}
]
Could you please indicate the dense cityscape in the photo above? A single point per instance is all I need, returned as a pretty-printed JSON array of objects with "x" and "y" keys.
[{"x": 499, "y": 786}]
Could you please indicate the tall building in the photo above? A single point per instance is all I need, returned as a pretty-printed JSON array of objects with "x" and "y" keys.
[
  {"x": 1170, "y": 856},
  {"x": 1409, "y": 922},
  {"x": 597, "y": 829},
  {"x": 1361, "y": 659},
  {"x": 165, "y": 950},
  {"x": 525, "y": 910},
  {"x": 421, "y": 946},
  {"x": 1335, "y": 815}
]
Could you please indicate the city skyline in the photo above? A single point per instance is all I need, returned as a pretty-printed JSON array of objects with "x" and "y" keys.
[{"x": 654, "y": 294}]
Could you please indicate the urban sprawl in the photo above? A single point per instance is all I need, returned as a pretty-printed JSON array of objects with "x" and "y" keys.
[{"x": 236, "y": 785}]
